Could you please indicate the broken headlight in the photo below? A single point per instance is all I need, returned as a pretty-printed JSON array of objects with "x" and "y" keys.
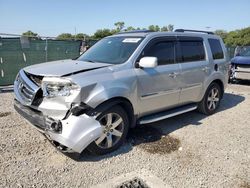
[{"x": 58, "y": 87}]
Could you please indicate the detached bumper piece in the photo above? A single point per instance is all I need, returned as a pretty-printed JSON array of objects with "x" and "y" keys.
[{"x": 74, "y": 133}]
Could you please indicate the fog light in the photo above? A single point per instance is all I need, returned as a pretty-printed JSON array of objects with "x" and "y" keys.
[{"x": 56, "y": 127}]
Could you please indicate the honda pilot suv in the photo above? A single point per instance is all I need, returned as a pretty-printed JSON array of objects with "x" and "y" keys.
[{"x": 124, "y": 80}]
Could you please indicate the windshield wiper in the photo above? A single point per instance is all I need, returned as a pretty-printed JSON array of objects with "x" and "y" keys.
[{"x": 88, "y": 60}]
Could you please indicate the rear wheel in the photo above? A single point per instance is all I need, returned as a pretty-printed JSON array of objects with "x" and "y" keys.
[
  {"x": 115, "y": 126},
  {"x": 211, "y": 99}
]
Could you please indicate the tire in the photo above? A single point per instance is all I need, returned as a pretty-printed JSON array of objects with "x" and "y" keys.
[
  {"x": 211, "y": 99},
  {"x": 115, "y": 125}
]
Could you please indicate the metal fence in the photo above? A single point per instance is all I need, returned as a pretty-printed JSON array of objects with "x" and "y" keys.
[
  {"x": 18, "y": 51},
  {"x": 230, "y": 51}
]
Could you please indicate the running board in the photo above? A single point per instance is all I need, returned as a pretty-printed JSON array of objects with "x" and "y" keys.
[{"x": 167, "y": 114}]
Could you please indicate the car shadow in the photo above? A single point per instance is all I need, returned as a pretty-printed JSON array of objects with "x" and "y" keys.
[
  {"x": 6, "y": 89},
  {"x": 194, "y": 118},
  {"x": 154, "y": 132},
  {"x": 242, "y": 82}
]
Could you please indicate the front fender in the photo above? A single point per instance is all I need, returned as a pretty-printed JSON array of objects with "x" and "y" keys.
[{"x": 103, "y": 93}]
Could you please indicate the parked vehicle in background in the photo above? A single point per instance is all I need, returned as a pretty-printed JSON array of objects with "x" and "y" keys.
[
  {"x": 124, "y": 80},
  {"x": 240, "y": 64}
]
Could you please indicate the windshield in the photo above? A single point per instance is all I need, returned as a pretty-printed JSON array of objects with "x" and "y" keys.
[
  {"x": 243, "y": 51},
  {"x": 112, "y": 50}
]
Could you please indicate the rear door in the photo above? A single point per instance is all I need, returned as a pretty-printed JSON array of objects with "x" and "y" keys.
[
  {"x": 158, "y": 88},
  {"x": 194, "y": 68}
]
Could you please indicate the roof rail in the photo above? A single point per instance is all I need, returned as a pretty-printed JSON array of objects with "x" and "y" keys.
[
  {"x": 190, "y": 30},
  {"x": 136, "y": 31}
]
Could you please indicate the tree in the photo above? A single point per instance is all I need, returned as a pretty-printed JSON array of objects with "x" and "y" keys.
[
  {"x": 130, "y": 28},
  {"x": 119, "y": 25},
  {"x": 238, "y": 37},
  {"x": 81, "y": 36},
  {"x": 101, "y": 33},
  {"x": 154, "y": 28},
  {"x": 222, "y": 33},
  {"x": 170, "y": 27},
  {"x": 30, "y": 34},
  {"x": 164, "y": 28},
  {"x": 65, "y": 36}
]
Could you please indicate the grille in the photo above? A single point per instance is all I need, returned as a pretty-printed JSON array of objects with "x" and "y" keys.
[{"x": 26, "y": 88}]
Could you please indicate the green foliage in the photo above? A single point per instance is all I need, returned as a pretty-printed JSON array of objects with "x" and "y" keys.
[
  {"x": 130, "y": 28},
  {"x": 164, "y": 28},
  {"x": 119, "y": 26},
  {"x": 30, "y": 34},
  {"x": 154, "y": 28},
  {"x": 68, "y": 36},
  {"x": 101, "y": 33},
  {"x": 170, "y": 27},
  {"x": 234, "y": 38},
  {"x": 81, "y": 36},
  {"x": 222, "y": 33},
  {"x": 238, "y": 37},
  {"x": 65, "y": 36}
]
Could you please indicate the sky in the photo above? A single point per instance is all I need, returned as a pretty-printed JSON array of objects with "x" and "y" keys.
[{"x": 52, "y": 17}]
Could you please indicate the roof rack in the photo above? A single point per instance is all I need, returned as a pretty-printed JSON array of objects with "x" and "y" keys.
[
  {"x": 136, "y": 31},
  {"x": 189, "y": 30}
]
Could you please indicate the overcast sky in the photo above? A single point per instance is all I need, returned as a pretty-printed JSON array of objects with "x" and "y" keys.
[{"x": 52, "y": 17}]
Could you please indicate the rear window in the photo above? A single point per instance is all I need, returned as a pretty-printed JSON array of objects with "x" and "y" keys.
[
  {"x": 192, "y": 51},
  {"x": 216, "y": 48}
]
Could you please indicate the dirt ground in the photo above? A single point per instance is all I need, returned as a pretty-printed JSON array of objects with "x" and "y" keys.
[{"x": 189, "y": 150}]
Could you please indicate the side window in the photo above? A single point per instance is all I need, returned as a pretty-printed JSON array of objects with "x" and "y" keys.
[
  {"x": 216, "y": 48},
  {"x": 164, "y": 51},
  {"x": 192, "y": 51}
]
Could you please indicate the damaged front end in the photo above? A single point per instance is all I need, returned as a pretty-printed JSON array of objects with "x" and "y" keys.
[
  {"x": 240, "y": 71},
  {"x": 53, "y": 106}
]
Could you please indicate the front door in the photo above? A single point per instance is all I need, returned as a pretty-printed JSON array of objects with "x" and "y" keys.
[{"x": 159, "y": 87}]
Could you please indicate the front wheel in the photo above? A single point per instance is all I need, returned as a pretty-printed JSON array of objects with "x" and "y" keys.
[
  {"x": 211, "y": 99},
  {"x": 115, "y": 126}
]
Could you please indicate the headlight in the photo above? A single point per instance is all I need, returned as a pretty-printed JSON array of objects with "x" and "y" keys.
[{"x": 54, "y": 87}]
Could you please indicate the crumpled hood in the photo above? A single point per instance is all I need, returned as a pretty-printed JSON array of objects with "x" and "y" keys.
[
  {"x": 241, "y": 60},
  {"x": 62, "y": 67}
]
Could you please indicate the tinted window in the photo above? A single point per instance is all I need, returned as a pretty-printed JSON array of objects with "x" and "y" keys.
[
  {"x": 192, "y": 51},
  {"x": 216, "y": 49},
  {"x": 164, "y": 51}
]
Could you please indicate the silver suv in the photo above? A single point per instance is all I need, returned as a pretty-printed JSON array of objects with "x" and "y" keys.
[{"x": 124, "y": 80}]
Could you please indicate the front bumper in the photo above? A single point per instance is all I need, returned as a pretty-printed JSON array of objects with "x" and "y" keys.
[
  {"x": 241, "y": 72},
  {"x": 77, "y": 131},
  {"x": 242, "y": 75}
]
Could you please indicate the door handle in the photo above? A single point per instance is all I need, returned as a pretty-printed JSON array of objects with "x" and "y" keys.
[
  {"x": 173, "y": 74},
  {"x": 205, "y": 69}
]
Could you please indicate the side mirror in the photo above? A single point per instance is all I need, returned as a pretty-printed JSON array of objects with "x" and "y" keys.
[{"x": 148, "y": 62}]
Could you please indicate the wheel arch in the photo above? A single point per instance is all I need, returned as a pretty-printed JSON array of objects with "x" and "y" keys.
[
  {"x": 220, "y": 83},
  {"x": 121, "y": 101}
]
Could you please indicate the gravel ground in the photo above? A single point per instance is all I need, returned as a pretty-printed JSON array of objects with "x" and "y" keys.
[{"x": 190, "y": 150}]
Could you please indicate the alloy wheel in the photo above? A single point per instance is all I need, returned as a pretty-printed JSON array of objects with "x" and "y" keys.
[
  {"x": 213, "y": 99},
  {"x": 113, "y": 127}
]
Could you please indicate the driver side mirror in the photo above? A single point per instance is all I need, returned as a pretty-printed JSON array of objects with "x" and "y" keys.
[{"x": 148, "y": 62}]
